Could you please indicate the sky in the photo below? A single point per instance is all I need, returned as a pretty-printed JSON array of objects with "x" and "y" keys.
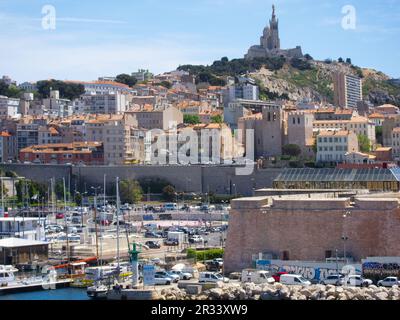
[{"x": 94, "y": 38}]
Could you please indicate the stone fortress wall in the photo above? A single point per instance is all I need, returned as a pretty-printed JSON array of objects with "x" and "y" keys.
[{"x": 304, "y": 228}]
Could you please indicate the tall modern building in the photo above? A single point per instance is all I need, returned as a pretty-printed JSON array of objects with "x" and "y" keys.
[{"x": 347, "y": 90}]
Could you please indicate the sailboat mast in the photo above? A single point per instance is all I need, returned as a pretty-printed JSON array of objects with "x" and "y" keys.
[
  {"x": 65, "y": 220},
  {"x": 118, "y": 212}
]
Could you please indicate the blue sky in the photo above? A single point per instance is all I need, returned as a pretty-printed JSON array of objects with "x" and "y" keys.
[{"x": 101, "y": 38}]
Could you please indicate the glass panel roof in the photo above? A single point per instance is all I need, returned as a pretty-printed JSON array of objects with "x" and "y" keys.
[{"x": 348, "y": 175}]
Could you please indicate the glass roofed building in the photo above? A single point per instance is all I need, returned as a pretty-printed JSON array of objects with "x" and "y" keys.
[{"x": 309, "y": 178}]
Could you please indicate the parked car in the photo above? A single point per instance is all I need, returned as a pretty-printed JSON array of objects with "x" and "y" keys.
[
  {"x": 212, "y": 266},
  {"x": 212, "y": 277},
  {"x": 153, "y": 245},
  {"x": 182, "y": 275},
  {"x": 294, "y": 279},
  {"x": 196, "y": 239},
  {"x": 389, "y": 282},
  {"x": 358, "y": 281},
  {"x": 171, "y": 242},
  {"x": 76, "y": 220},
  {"x": 160, "y": 279},
  {"x": 174, "y": 277},
  {"x": 54, "y": 228},
  {"x": 150, "y": 234},
  {"x": 334, "y": 279},
  {"x": 59, "y": 216}
]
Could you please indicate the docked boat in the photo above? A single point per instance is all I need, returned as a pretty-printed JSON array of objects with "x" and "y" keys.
[
  {"x": 7, "y": 275},
  {"x": 98, "y": 291}
]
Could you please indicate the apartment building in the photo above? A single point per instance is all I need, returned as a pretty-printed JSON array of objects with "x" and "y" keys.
[
  {"x": 27, "y": 135},
  {"x": 9, "y": 107},
  {"x": 332, "y": 146},
  {"x": 48, "y": 135},
  {"x": 103, "y": 87},
  {"x": 87, "y": 153},
  {"x": 347, "y": 90},
  {"x": 359, "y": 125},
  {"x": 164, "y": 119},
  {"x": 104, "y": 103},
  {"x": 396, "y": 143},
  {"x": 8, "y": 147},
  {"x": 115, "y": 132}
]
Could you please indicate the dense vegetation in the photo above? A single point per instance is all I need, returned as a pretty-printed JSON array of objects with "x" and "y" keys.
[
  {"x": 191, "y": 119},
  {"x": 126, "y": 79},
  {"x": 205, "y": 255},
  {"x": 10, "y": 91},
  {"x": 130, "y": 191},
  {"x": 153, "y": 185},
  {"x": 364, "y": 143},
  {"x": 67, "y": 90},
  {"x": 215, "y": 73}
]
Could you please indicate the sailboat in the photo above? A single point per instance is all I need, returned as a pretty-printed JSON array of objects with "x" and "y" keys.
[{"x": 99, "y": 290}]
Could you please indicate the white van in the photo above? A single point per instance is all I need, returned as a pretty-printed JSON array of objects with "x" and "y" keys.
[
  {"x": 257, "y": 276},
  {"x": 212, "y": 277},
  {"x": 294, "y": 279}
]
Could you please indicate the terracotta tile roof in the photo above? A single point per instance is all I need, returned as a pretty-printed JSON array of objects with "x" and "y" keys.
[
  {"x": 341, "y": 133},
  {"x": 376, "y": 116}
]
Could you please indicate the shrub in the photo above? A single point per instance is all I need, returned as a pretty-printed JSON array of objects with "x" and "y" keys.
[{"x": 205, "y": 255}]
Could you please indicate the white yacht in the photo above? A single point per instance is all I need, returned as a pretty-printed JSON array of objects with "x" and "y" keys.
[{"x": 7, "y": 275}]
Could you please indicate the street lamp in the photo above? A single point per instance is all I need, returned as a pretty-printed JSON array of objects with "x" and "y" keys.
[{"x": 344, "y": 237}]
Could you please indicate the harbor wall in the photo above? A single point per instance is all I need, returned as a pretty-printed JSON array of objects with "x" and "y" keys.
[{"x": 198, "y": 179}]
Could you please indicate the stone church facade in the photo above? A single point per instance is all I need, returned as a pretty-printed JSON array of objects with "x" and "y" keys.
[{"x": 270, "y": 44}]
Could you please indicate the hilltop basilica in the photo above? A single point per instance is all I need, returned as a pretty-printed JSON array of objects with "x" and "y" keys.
[{"x": 270, "y": 44}]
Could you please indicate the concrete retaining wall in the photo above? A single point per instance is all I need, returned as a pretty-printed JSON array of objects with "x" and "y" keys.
[{"x": 198, "y": 179}]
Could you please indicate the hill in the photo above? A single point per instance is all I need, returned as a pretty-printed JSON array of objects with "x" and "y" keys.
[{"x": 298, "y": 79}]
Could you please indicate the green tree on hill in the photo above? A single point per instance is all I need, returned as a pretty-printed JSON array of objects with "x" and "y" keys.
[
  {"x": 166, "y": 84},
  {"x": 126, "y": 79},
  {"x": 69, "y": 91}
]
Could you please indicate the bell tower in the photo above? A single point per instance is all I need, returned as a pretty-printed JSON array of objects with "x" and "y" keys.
[{"x": 273, "y": 38}]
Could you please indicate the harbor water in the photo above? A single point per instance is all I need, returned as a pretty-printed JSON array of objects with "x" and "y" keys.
[{"x": 59, "y": 294}]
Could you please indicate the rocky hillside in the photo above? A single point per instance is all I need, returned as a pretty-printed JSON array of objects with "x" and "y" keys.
[
  {"x": 316, "y": 83},
  {"x": 298, "y": 79}
]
